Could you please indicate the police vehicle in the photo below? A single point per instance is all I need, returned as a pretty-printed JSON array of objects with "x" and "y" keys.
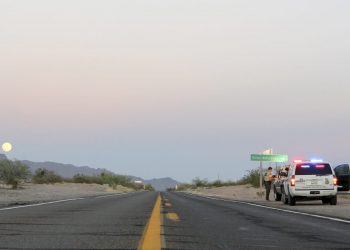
[{"x": 310, "y": 180}]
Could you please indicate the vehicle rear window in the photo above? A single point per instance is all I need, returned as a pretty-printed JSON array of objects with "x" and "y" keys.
[{"x": 313, "y": 169}]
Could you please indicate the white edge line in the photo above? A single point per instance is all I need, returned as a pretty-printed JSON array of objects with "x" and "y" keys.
[
  {"x": 274, "y": 208},
  {"x": 58, "y": 201},
  {"x": 108, "y": 195},
  {"x": 40, "y": 204}
]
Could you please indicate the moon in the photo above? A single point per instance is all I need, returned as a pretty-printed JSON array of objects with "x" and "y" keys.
[{"x": 7, "y": 147}]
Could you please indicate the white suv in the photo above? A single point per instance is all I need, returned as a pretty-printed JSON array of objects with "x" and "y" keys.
[{"x": 310, "y": 180}]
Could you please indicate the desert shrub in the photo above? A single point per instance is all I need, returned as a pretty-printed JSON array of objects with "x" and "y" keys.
[
  {"x": 44, "y": 176},
  {"x": 13, "y": 172},
  {"x": 149, "y": 187},
  {"x": 251, "y": 177},
  {"x": 217, "y": 183},
  {"x": 200, "y": 183},
  {"x": 80, "y": 178},
  {"x": 112, "y": 180}
]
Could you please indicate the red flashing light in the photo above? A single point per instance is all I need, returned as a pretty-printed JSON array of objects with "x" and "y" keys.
[
  {"x": 298, "y": 161},
  {"x": 292, "y": 181},
  {"x": 319, "y": 166}
]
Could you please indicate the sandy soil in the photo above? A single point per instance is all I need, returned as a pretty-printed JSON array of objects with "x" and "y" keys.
[
  {"x": 33, "y": 193},
  {"x": 241, "y": 192},
  {"x": 250, "y": 194}
]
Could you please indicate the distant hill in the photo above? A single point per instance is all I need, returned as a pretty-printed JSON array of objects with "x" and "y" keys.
[
  {"x": 162, "y": 184},
  {"x": 3, "y": 157},
  {"x": 69, "y": 170}
]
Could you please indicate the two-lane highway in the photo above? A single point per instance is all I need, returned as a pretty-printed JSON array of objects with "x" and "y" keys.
[{"x": 147, "y": 220}]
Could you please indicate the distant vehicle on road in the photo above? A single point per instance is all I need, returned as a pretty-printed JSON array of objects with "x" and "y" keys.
[
  {"x": 343, "y": 175},
  {"x": 310, "y": 180}
]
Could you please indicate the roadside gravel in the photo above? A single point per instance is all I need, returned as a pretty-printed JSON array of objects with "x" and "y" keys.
[
  {"x": 250, "y": 194},
  {"x": 34, "y": 193}
]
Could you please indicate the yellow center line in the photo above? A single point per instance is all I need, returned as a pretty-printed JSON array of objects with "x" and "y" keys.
[{"x": 151, "y": 239}]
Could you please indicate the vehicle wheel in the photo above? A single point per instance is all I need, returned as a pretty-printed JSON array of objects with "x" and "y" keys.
[
  {"x": 284, "y": 198},
  {"x": 326, "y": 201},
  {"x": 276, "y": 195},
  {"x": 291, "y": 200},
  {"x": 333, "y": 200}
]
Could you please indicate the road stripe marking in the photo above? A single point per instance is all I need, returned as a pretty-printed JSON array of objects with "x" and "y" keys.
[
  {"x": 173, "y": 216},
  {"x": 108, "y": 195},
  {"x": 58, "y": 201},
  {"x": 151, "y": 239},
  {"x": 167, "y": 204},
  {"x": 278, "y": 209},
  {"x": 40, "y": 204}
]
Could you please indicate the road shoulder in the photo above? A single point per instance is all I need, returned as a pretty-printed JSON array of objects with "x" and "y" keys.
[{"x": 340, "y": 211}]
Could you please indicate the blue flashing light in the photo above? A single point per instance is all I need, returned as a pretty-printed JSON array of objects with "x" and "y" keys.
[{"x": 305, "y": 166}]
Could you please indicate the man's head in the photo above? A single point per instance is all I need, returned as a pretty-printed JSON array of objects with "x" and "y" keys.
[{"x": 270, "y": 168}]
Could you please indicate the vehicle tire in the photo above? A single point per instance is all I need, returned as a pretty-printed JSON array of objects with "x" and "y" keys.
[
  {"x": 333, "y": 200},
  {"x": 291, "y": 200},
  {"x": 325, "y": 201},
  {"x": 276, "y": 195},
  {"x": 284, "y": 197}
]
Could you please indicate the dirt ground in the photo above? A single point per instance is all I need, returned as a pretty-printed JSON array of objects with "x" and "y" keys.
[
  {"x": 250, "y": 194},
  {"x": 34, "y": 193}
]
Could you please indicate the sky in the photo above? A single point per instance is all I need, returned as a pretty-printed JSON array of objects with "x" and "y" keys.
[{"x": 179, "y": 88}]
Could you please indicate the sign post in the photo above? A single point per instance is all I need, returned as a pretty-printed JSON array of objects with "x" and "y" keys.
[
  {"x": 261, "y": 178},
  {"x": 268, "y": 158}
]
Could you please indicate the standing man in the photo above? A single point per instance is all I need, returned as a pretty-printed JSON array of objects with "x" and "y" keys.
[{"x": 268, "y": 178}]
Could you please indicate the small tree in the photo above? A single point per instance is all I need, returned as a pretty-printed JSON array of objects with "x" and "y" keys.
[
  {"x": 13, "y": 172},
  {"x": 42, "y": 175}
]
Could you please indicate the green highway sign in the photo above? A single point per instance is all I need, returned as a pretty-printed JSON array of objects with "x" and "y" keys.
[{"x": 270, "y": 158}]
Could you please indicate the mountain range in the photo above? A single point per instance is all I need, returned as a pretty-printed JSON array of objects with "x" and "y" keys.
[{"x": 69, "y": 170}]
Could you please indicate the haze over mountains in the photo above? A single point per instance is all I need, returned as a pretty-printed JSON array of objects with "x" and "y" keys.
[{"x": 69, "y": 170}]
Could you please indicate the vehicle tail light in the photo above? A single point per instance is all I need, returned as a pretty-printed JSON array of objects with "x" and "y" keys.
[
  {"x": 292, "y": 181},
  {"x": 335, "y": 180}
]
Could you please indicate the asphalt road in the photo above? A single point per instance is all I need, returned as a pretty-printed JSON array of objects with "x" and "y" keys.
[
  {"x": 111, "y": 222},
  {"x": 187, "y": 222},
  {"x": 214, "y": 224}
]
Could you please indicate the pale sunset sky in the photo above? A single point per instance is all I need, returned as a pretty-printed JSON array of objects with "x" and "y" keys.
[{"x": 180, "y": 88}]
